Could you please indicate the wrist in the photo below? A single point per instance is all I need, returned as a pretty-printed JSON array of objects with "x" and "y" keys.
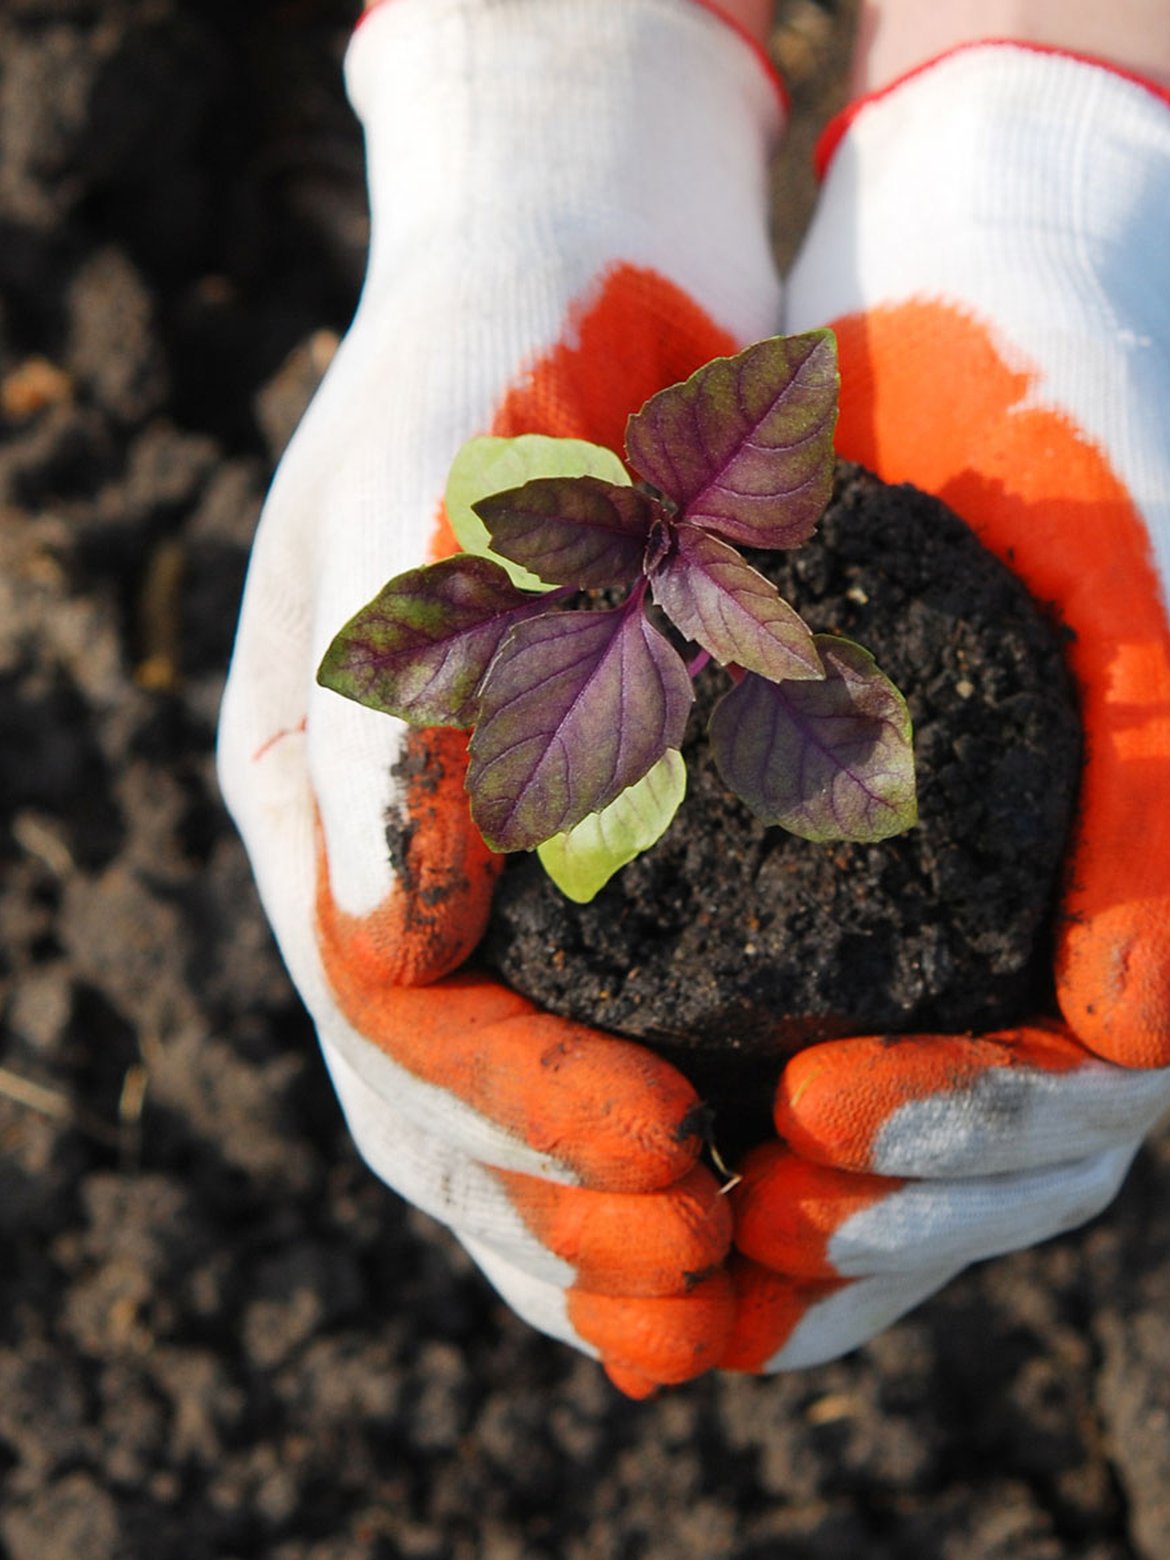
[
  {"x": 544, "y": 140},
  {"x": 898, "y": 36},
  {"x": 751, "y": 17},
  {"x": 993, "y": 147},
  {"x": 1027, "y": 190}
]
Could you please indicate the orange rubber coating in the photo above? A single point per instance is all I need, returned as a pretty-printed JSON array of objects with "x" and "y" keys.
[
  {"x": 630, "y": 336},
  {"x": 768, "y": 1307},
  {"x": 633, "y": 334},
  {"x": 632, "y": 1382},
  {"x": 929, "y": 397},
  {"x": 657, "y": 1341},
  {"x": 788, "y": 1209},
  {"x": 658, "y": 1243},
  {"x": 436, "y": 913},
  {"x": 611, "y": 1113},
  {"x": 834, "y": 1099}
]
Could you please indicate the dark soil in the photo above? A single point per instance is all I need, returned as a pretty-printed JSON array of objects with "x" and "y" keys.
[
  {"x": 220, "y": 1337},
  {"x": 731, "y": 937}
]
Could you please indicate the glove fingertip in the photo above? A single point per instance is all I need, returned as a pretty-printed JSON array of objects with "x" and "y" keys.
[
  {"x": 1113, "y": 982},
  {"x": 820, "y": 1111},
  {"x": 615, "y": 1114},
  {"x": 630, "y": 1382},
  {"x": 833, "y": 1100},
  {"x": 662, "y": 1340},
  {"x": 443, "y": 876},
  {"x": 621, "y": 1244}
]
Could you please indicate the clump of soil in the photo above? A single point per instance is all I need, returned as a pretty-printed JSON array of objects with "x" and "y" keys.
[{"x": 730, "y": 936}]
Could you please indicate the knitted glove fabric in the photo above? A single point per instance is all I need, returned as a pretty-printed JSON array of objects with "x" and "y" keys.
[
  {"x": 988, "y": 247},
  {"x": 568, "y": 213}
]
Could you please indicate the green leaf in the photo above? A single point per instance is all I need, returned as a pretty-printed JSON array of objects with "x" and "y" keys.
[
  {"x": 486, "y": 466},
  {"x": 582, "y": 861},
  {"x": 711, "y": 594},
  {"x": 828, "y": 760},
  {"x": 744, "y": 447},
  {"x": 572, "y": 530},
  {"x": 575, "y": 708},
  {"x": 420, "y": 649}
]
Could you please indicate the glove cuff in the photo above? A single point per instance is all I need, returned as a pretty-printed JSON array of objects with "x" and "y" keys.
[
  {"x": 1031, "y": 190},
  {"x": 835, "y": 131},
  {"x": 555, "y": 138}
]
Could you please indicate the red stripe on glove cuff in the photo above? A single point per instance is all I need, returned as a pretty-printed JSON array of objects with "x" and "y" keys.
[
  {"x": 713, "y": 8},
  {"x": 839, "y": 126}
]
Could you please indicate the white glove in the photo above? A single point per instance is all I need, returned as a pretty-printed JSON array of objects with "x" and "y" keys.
[
  {"x": 569, "y": 206},
  {"x": 989, "y": 247}
]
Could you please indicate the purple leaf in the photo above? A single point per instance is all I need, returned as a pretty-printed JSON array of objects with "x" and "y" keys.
[
  {"x": 745, "y": 446},
  {"x": 717, "y": 599},
  {"x": 826, "y": 760},
  {"x": 421, "y": 647},
  {"x": 576, "y": 707},
  {"x": 571, "y": 530}
]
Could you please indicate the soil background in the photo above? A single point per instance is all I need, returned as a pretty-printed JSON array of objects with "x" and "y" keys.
[{"x": 219, "y": 1337}]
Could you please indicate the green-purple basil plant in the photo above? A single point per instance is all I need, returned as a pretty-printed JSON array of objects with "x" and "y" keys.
[{"x": 578, "y": 709}]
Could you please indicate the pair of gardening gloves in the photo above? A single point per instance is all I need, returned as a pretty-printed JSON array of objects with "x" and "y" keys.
[{"x": 570, "y": 211}]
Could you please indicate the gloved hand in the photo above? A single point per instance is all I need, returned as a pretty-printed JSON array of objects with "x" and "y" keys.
[
  {"x": 569, "y": 209},
  {"x": 986, "y": 247}
]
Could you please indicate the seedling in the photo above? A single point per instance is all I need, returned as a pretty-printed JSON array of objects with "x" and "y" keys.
[{"x": 578, "y": 707}]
